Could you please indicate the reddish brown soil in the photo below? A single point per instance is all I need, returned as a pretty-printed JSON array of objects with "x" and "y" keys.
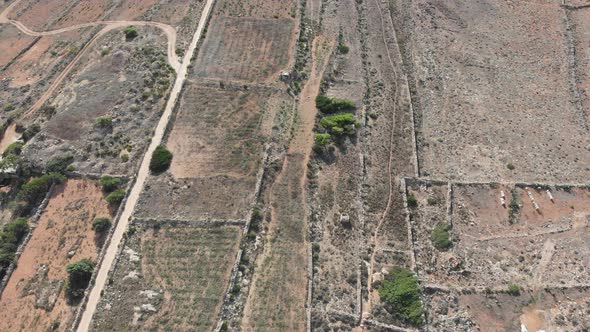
[
  {"x": 65, "y": 226},
  {"x": 84, "y": 12},
  {"x": 40, "y": 14},
  {"x": 12, "y": 42},
  {"x": 132, "y": 9},
  {"x": 258, "y": 8}
]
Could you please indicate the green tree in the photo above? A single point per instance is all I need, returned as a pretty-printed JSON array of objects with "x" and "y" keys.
[
  {"x": 59, "y": 164},
  {"x": 115, "y": 197},
  {"x": 130, "y": 32},
  {"x": 338, "y": 124},
  {"x": 34, "y": 190},
  {"x": 104, "y": 122},
  {"x": 79, "y": 274},
  {"x": 161, "y": 159},
  {"x": 412, "y": 201},
  {"x": 440, "y": 237},
  {"x": 401, "y": 294},
  {"x": 332, "y": 105}
]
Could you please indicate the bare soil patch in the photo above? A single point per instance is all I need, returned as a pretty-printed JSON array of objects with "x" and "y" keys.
[
  {"x": 169, "y": 278},
  {"x": 258, "y": 8},
  {"x": 37, "y": 15},
  {"x": 580, "y": 20},
  {"x": 12, "y": 41},
  {"x": 263, "y": 46},
  {"x": 34, "y": 299},
  {"x": 84, "y": 12}
]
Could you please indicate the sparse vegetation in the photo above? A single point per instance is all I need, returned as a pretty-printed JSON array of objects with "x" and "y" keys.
[
  {"x": 440, "y": 237},
  {"x": 513, "y": 207},
  {"x": 14, "y": 148},
  {"x": 79, "y": 274},
  {"x": 321, "y": 140},
  {"x": 101, "y": 225},
  {"x": 401, "y": 294},
  {"x": 510, "y": 166},
  {"x": 161, "y": 159},
  {"x": 333, "y": 105},
  {"x": 431, "y": 201},
  {"x": 34, "y": 190}
]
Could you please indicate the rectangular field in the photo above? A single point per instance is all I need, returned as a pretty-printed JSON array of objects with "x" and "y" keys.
[
  {"x": 169, "y": 278},
  {"x": 34, "y": 298},
  {"x": 258, "y": 8},
  {"x": 245, "y": 49},
  {"x": 218, "y": 144},
  {"x": 493, "y": 96},
  {"x": 125, "y": 82},
  {"x": 13, "y": 41},
  {"x": 580, "y": 20}
]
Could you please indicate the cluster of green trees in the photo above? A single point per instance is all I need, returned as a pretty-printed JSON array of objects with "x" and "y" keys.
[
  {"x": 161, "y": 160},
  {"x": 79, "y": 274},
  {"x": 332, "y": 105},
  {"x": 111, "y": 186},
  {"x": 401, "y": 293},
  {"x": 335, "y": 125}
]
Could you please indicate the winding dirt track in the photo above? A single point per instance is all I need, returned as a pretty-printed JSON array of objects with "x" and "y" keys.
[{"x": 109, "y": 25}]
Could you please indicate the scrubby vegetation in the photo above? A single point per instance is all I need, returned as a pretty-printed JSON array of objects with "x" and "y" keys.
[
  {"x": 115, "y": 197},
  {"x": 79, "y": 275},
  {"x": 513, "y": 207},
  {"x": 401, "y": 294},
  {"x": 10, "y": 238},
  {"x": 101, "y": 225},
  {"x": 514, "y": 289},
  {"x": 321, "y": 140},
  {"x": 104, "y": 121},
  {"x": 14, "y": 148},
  {"x": 339, "y": 124},
  {"x": 109, "y": 183},
  {"x": 333, "y": 105},
  {"x": 440, "y": 237},
  {"x": 161, "y": 159}
]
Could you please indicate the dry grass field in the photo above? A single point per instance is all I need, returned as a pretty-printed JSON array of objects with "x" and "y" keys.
[
  {"x": 489, "y": 98},
  {"x": 169, "y": 278},
  {"x": 34, "y": 298},
  {"x": 258, "y": 8}
]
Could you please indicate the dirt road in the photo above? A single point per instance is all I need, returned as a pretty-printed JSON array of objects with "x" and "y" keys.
[
  {"x": 109, "y": 25},
  {"x": 111, "y": 250}
]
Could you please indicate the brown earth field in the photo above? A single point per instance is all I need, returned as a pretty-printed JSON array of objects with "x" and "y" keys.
[
  {"x": 134, "y": 78},
  {"x": 491, "y": 249},
  {"x": 218, "y": 141},
  {"x": 34, "y": 298},
  {"x": 258, "y": 8},
  {"x": 39, "y": 15},
  {"x": 489, "y": 98},
  {"x": 13, "y": 42},
  {"x": 169, "y": 278},
  {"x": 580, "y": 20},
  {"x": 264, "y": 49}
]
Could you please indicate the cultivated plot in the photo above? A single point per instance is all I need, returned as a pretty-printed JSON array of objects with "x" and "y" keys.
[
  {"x": 245, "y": 49},
  {"x": 168, "y": 278},
  {"x": 491, "y": 96},
  {"x": 34, "y": 298}
]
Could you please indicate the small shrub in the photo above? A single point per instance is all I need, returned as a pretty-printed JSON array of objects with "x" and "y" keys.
[
  {"x": 31, "y": 131},
  {"x": 14, "y": 148},
  {"x": 109, "y": 183},
  {"x": 513, "y": 289},
  {"x": 513, "y": 207},
  {"x": 70, "y": 168},
  {"x": 510, "y": 166},
  {"x": 125, "y": 157},
  {"x": 401, "y": 295},
  {"x": 161, "y": 159},
  {"x": 342, "y": 48},
  {"x": 104, "y": 122},
  {"x": 321, "y": 140},
  {"x": 79, "y": 275},
  {"x": 412, "y": 201},
  {"x": 9, "y": 108},
  {"x": 101, "y": 225},
  {"x": 59, "y": 164},
  {"x": 115, "y": 197},
  {"x": 440, "y": 237},
  {"x": 431, "y": 201},
  {"x": 130, "y": 32}
]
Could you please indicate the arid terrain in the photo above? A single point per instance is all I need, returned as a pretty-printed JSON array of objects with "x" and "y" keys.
[{"x": 294, "y": 165}]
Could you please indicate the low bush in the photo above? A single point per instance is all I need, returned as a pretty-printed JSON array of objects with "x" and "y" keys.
[
  {"x": 115, "y": 197},
  {"x": 161, "y": 159},
  {"x": 401, "y": 295},
  {"x": 412, "y": 201},
  {"x": 513, "y": 289},
  {"x": 31, "y": 131},
  {"x": 333, "y": 105},
  {"x": 321, "y": 140},
  {"x": 79, "y": 274},
  {"x": 339, "y": 124},
  {"x": 109, "y": 183},
  {"x": 440, "y": 237},
  {"x": 101, "y": 225}
]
